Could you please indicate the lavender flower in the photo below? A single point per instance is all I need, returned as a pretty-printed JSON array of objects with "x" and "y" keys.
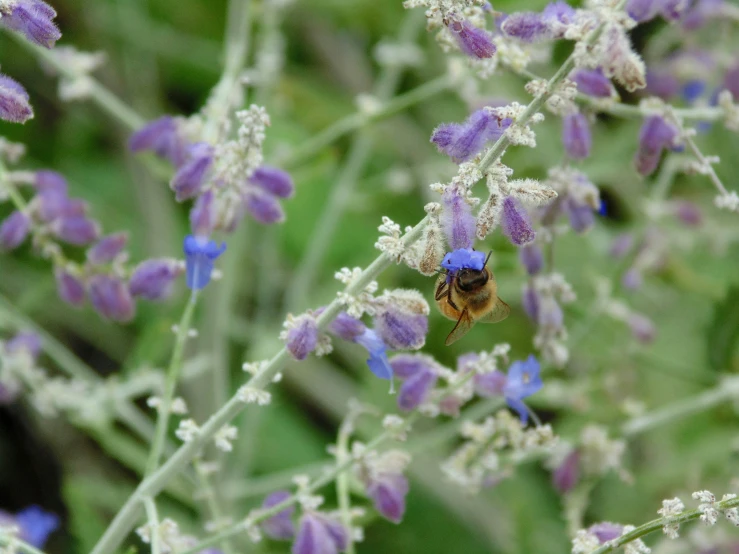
[
  {"x": 464, "y": 141},
  {"x": 347, "y": 327},
  {"x": 280, "y": 525},
  {"x": 55, "y": 204},
  {"x": 406, "y": 366},
  {"x": 24, "y": 341},
  {"x": 592, "y": 82},
  {"x": 320, "y": 534},
  {"x": 274, "y": 181},
  {"x": 557, "y": 16},
  {"x": 621, "y": 245},
  {"x": 689, "y": 213},
  {"x": 35, "y": 524},
  {"x": 693, "y": 90},
  {"x": 46, "y": 180},
  {"x": 415, "y": 389},
  {"x": 107, "y": 248},
  {"x": 490, "y": 384},
  {"x": 377, "y": 362},
  {"x": 111, "y": 298},
  {"x": 14, "y": 106},
  {"x": 567, "y": 474},
  {"x": 576, "y": 136},
  {"x": 661, "y": 83},
  {"x": 388, "y": 492},
  {"x": 264, "y": 207},
  {"x": 302, "y": 336},
  {"x": 457, "y": 220},
  {"x": 402, "y": 322},
  {"x": 531, "y": 257},
  {"x": 200, "y": 253},
  {"x": 530, "y": 301},
  {"x": 32, "y": 18},
  {"x": 526, "y": 26},
  {"x": 163, "y": 137},
  {"x": 14, "y": 230},
  {"x": 77, "y": 230},
  {"x": 203, "y": 215},
  {"x": 516, "y": 223},
  {"x": 642, "y": 328},
  {"x": 580, "y": 214},
  {"x": 642, "y": 10},
  {"x": 523, "y": 380},
  {"x": 606, "y": 531},
  {"x": 191, "y": 175},
  {"x": 473, "y": 41},
  {"x": 632, "y": 279},
  {"x": 70, "y": 288},
  {"x": 699, "y": 12},
  {"x": 656, "y": 135},
  {"x": 153, "y": 279}
]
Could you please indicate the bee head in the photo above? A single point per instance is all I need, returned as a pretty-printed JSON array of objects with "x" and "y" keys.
[{"x": 471, "y": 279}]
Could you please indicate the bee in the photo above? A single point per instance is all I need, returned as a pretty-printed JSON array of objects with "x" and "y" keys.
[{"x": 469, "y": 296}]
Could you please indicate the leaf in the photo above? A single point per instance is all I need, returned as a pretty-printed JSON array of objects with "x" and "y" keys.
[{"x": 723, "y": 332}]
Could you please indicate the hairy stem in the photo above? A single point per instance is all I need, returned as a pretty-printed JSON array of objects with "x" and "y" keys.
[{"x": 153, "y": 518}]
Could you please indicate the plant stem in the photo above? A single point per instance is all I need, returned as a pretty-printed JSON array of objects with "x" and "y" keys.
[
  {"x": 657, "y": 524},
  {"x": 17, "y": 545},
  {"x": 342, "y": 480},
  {"x": 173, "y": 373},
  {"x": 153, "y": 517}
]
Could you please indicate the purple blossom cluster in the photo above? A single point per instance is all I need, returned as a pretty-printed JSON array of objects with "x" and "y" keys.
[
  {"x": 32, "y": 18},
  {"x": 463, "y": 141}
]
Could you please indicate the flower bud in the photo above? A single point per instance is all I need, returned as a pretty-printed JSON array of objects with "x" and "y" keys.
[
  {"x": 526, "y": 27},
  {"x": 567, "y": 474},
  {"x": 490, "y": 384},
  {"x": 320, "y": 534},
  {"x": 77, "y": 230},
  {"x": 25, "y": 340},
  {"x": 457, "y": 220},
  {"x": 416, "y": 389},
  {"x": 531, "y": 257},
  {"x": 264, "y": 207},
  {"x": 153, "y": 279},
  {"x": 388, "y": 494},
  {"x": 192, "y": 174},
  {"x": 406, "y": 366},
  {"x": 302, "y": 336},
  {"x": 464, "y": 141},
  {"x": 346, "y": 327},
  {"x": 274, "y": 181},
  {"x": 111, "y": 299},
  {"x": 107, "y": 248},
  {"x": 576, "y": 136},
  {"x": 54, "y": 204},
  {"x": 280, "y": 525},
  {"x": 33, "y": 19},
  {"x": 516, "y": 223},
  {"x": 592, "y": 82},
  {"x": 642, "y": 10},
  {"x": 46, "y": 180},
  {"x": 14, "y": 230},
  {"x": 203, "y": 215},
  {"x": 473, "y": 41},
  {"x": 401, "y": 319},
  {"x": 581, "y": 215},
  {"x": 14, "y": 106},
  {"x": 70, "y": 288},
  {"x": 530, "y": 301},
  {"x": 606, "y": 531},
  {"x": 656, "y": 134},
  {"x": 161, "y": 136}
]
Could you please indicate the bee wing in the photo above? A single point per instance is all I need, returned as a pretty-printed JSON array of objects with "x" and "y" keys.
[
  {"x": 464, "y": 324},
  {"x": 500, "y": 311}
]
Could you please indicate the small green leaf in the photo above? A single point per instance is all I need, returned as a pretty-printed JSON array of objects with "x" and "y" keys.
[{"x": 723, "y": 332}]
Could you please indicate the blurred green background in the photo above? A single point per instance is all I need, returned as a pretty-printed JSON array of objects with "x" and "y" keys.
[{"x": 164, "y": 57}]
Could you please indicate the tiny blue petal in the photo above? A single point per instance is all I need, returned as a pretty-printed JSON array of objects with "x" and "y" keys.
[
  {"x": 524, "y": 379},
  {"x": 377, "y": 362},
  {"x": 200, "y": 253},
  {"x": 464, "y": 258}
]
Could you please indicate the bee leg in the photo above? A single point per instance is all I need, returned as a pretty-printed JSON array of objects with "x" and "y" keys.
[{"x": 449, "y": 299}]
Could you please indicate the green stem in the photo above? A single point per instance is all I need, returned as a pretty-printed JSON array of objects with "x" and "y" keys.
[
  {"x": 352, "y": 122},
  {"x": 211, "y": 499},
  {"x": 173, "y": 373},
  {"x": 658, "y": 524},
  {"x": 153, "y": 517},
  {"x": 18, "y": 544},
  {"x": 100, "y": 95},
  {"x": 342, "y": 480}
]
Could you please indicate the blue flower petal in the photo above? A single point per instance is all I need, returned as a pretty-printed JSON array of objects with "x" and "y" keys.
[
  {"x": 518, "y": 406},
  {"x": 199, "y": 256},
  {"x": 377, "y": 362},
  {"x": 463, "y": 258}
]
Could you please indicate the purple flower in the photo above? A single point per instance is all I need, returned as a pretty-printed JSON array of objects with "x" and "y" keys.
[
  {"x": 632, "y": 279},
  {"x": 416, "y": 388},
  {"x": 531, "y": 257},
  {"x": 191, "y": 175},
  {"x": 162, "y": 136},
  {"x": 530, "y": 301},
  {"x": 320, "y": 534},
  {"x": 699, "y": 12},
  {"x": 388, "y": 492},
  {"x": 473, "y": 41},
  {"x": 347, "y": 327},
  {"x": 14, "y": 230},
  {"x": 111, "y": 299},
  {"x": 592, "y": 82},
  {"x": 302, "y": 337},
  {"x": 464, "y": 141},
  {"x": 70, "y": 288},
  {"x": 567, "y": 474},
  {"x": 642, "y": 10},
  {"x": 35, "y": 524},
  {"x": 77, "y": 230},
  {"x": 200, "y": 253},
  {"x": 203, "y": 215},
  {"x": 516, "y": 223},
  {"x": 264, "y": 207},
  {"x": 55, "y": 204},
  {"x": 401, "y": 328},
  {"x": 580, "y": 214},
  {"x": 32, "y": 18},
  {"x": 693, "y": 89},
  {"x": 274, "y": 181},
  {"x": 490, "y": 384},
  {"x": 642, "y": 328},
  {"x": 557, "y": 15},
  {"x": 523, "y": 380},
  {"x": 25, "y": 340},
  {"x": 107, "y": 248},
  {"x": 153, "y": 279},
  {"x": 280, "y": 525},
  {"x": 606, "y": 531},
  {"x": 457, "y": 220},
  {"x": 662, "y": 83},
  {"x": 406, "y": 366},
  {"x": 46, "y": 180},
  {"x": 377, "y": 362},
  {"x": 463, "y": 258},
  {"x": 689, "y": 213},
  {"x": 576, "y": 136},
  {"x": 14, "y": 104},
  {"x": 549, "y": 313},
  {"x": 526, "y": 26},
  {"x": 656, "y": 134}
]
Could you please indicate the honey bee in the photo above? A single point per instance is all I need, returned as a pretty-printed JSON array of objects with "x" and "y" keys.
[{"x": 469, "y": 296}]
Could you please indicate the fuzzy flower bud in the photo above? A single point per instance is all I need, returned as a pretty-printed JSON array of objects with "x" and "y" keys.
[
  {"x": 516, "y": 223},
  {"x": 107, "y": 248},
  {"x": 14, "y": 230},
  {"x": 347, "y": 327},
  {"x": 526, "y": 26},
  {"x": 401, "y": 319},
  {"x": 203, "y": 215},
  {"x": 14, "y": 106},
  {"x": 567, "y": 474},
  {"x": 473, "y": 41},
  {"x": 463, "y": 141},
  {"x": 655, "y": 136},
  {"x": 264, "y": 207},
  {"x": 111, "y": 299},
  {"x": 31, "y": 18},
  {"x": 46, "y": 180},
  {"x": 69, "y": 288},
  {"x": 191, "y": 175},
  {"x": 592, "y": 82},
  {"x": 162, "y": 137},
  {"x": 302, "y": 335},
  {"x": 457, "y": 220},
  {"x": 280, "y": 525},
  {"x": 153, "y": 279},
  {"x": 576, "y": 136},
  {"x": 320, "y": 534},
  {"x": 274, "y": 181},
  {"x": 415, "y": 389},
  {"x": 532, "y": 258},
  {"x": 77, "y": 230},
  {"x": 388, "y": 493}
]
